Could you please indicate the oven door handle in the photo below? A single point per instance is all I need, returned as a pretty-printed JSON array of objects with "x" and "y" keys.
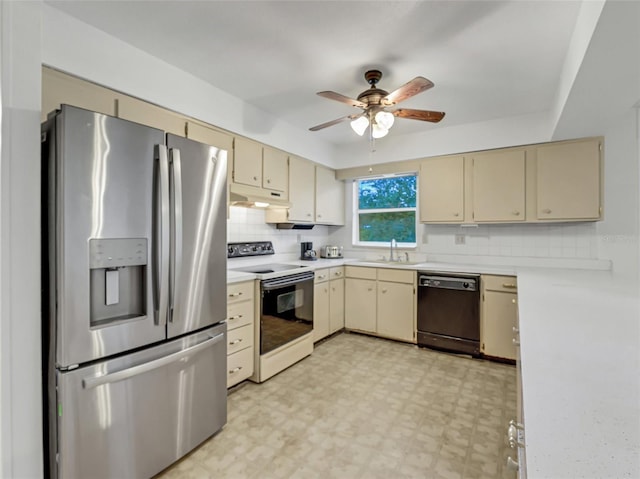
[{"x": 275, "y": 283}]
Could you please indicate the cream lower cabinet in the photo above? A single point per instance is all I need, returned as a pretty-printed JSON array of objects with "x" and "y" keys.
[
  {"x": 380, "y": 301},
  {"x": 328, "y": 302},
  {"x": 240, "y": 332},
  {"x": 336, "y": 299},
  {"x": 499, "y": 316},
  {"x": 360, "y": 304},
  {"x": 396, "y": 304}
]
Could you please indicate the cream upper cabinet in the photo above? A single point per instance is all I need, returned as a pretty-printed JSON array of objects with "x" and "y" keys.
[
  {"x": 499, "y": 316},
  {"x": 329, "y": 197},
  {"x": 301, "y": 190},
  {"x": 139, "y": 111},
  {"x": 59, "y": 88},
  {"x": 210, "y": 136},
  {"x": 499, "y": 186},
  {"x": 275, "y": 169},
  {"x": 247, "y": 162},
  {"x": 441, "y": 190},
  {"x": 568, "y": 180}
]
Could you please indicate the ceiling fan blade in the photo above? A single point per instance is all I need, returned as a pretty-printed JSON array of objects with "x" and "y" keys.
[
  {"x": 335, "y": 122},
  {"x": 424, "y": 115},
  {"x": 409, "y": 89},
  {"x": 332, "y": 95}
]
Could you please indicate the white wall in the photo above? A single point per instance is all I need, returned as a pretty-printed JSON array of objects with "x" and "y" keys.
[
  {"x": 247, "y": 224},
  {"x": 20, "y": 371}
]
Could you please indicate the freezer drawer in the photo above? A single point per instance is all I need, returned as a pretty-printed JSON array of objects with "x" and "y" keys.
[{"x": 133, "y": 416}]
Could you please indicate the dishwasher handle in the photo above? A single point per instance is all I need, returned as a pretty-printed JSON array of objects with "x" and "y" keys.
[{"x": 448, "y": 282}]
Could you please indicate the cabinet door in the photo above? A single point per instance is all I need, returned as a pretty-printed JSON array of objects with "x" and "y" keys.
[
  {"x": 59, "y": 88},
  {"x": 275, "y": 169},
  {"x": 442, "y": 190},
  {"x": 210, "y": 136},
  {"x": 301, "y": 190},
  {"x": 499, "y": 317},
  {"x": 336, "y": 305},
  {"x": 568, "y": 181},
  {"x": 360, "y": 304},
  {"x": 247, "y": 162},
  {"x": 329, "y": 197},
  {"x": 396, "y": 310},
  {"x": 320, "y": 311},
  {"x": 145, "y": 113},
  {"x": 498, "y": 186}
]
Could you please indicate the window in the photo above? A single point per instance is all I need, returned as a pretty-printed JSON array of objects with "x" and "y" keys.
[{"x": 385, "y": 209}]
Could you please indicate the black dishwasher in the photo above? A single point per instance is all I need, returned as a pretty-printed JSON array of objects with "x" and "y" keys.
[{"x": 449, "y": 312}]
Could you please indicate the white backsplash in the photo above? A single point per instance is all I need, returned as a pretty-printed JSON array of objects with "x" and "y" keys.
[{"x": 247, "y": 224}]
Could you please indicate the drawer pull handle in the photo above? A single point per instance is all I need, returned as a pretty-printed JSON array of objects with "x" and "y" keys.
[
  {"x": 235, "y": 295},
  {"x": 546, "y": 211},
  {"x": 516, "y": 213},
  {"x": 321, "y": 276},
  {"x": 512, "y": 465},
  {"x": 384, "y": 290},
  {"x": 235, "y": 341},
  {"x": 456, "y": 214},
  {"x": 516, "y": 330},
  {"x": 338, "y": 273},
  {"x": 509, "y": 285},
  {"x": 235, "y": 370},
  {"x": 233, "y": 318},
  {"x": 514, "y": 301},
  {"x": 515, "y": 342}
]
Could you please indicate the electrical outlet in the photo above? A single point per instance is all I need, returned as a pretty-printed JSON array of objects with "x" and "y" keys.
[
  {"x": 460, "y": 239},
  {"x": 425, "y": 238}
]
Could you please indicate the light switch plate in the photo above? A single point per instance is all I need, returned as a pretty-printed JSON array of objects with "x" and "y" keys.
[{"x": 460, "y": 239}]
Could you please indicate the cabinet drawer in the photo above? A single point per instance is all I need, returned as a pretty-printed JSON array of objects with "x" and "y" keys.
[
  {"x": 359, "y": 272},
  {"x": 239, "y": 338},
  {"x": 396, "y": 275},
  {"x": 239, "y": 366},
  {"x": 507, "y": 284},
  {"x": 239, "y": 314},
  {"x": 239, "y": 291},
  {"x": 336, "y": 273},
  {"x": 321, "y": 275}
]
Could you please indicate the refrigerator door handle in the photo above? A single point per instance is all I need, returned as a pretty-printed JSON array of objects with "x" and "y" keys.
[
  {"x": 162, "y": 250},
  {"x": 90, "y": 383},
  {"x": 176, "y": 254}
]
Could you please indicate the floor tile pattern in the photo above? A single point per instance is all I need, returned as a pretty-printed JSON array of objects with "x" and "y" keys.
[{"x": 363, "y": 407}]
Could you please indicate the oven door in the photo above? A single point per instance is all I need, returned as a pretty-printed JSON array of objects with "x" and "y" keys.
[{"x": 286, "y": 310}]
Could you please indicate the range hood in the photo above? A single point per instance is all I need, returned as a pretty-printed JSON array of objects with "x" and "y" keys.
[
  {"x": 253, "y": 197},
  {"x": 294, "y": 226}
]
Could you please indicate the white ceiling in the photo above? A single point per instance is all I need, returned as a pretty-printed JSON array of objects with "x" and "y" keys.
[{"x": 488, "y": 59}]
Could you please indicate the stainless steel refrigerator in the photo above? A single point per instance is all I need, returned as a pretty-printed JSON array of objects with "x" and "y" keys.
[{"x": 134, "y": 266}]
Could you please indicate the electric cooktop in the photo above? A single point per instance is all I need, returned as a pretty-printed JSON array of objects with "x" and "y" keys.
[{"x": 268, "y": 268}]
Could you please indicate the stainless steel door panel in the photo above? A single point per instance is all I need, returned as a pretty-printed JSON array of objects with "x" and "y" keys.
[
  {"x": 104, "y": 185},
  {"x": 199, "y": 178},
  {"x": 133, "y": 416}
]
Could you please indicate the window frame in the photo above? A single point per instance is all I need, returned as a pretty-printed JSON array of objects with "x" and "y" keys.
[{"x": 356, "y": 211}]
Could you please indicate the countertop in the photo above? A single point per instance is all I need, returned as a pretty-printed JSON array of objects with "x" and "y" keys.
[{"x": 580, "y": 361}]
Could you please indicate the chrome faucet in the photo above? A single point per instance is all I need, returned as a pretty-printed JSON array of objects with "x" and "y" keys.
[{"x": 392, "y": 244}]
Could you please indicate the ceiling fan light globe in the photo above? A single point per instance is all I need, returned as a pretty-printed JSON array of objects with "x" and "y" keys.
[
  {"x": 359, "y": 125},
  {"x": 377, "y": 131},
  {"x": 385, "y": 119}
]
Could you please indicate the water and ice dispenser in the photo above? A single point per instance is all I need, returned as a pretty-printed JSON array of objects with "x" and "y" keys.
[{"x": 118, "y": 279}]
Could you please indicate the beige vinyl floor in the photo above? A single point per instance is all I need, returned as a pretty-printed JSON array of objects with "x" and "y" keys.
[{"x": 363, "y": 407}]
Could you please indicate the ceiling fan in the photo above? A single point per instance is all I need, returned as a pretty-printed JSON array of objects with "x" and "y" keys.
[{"x": 374, "y": 103}]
